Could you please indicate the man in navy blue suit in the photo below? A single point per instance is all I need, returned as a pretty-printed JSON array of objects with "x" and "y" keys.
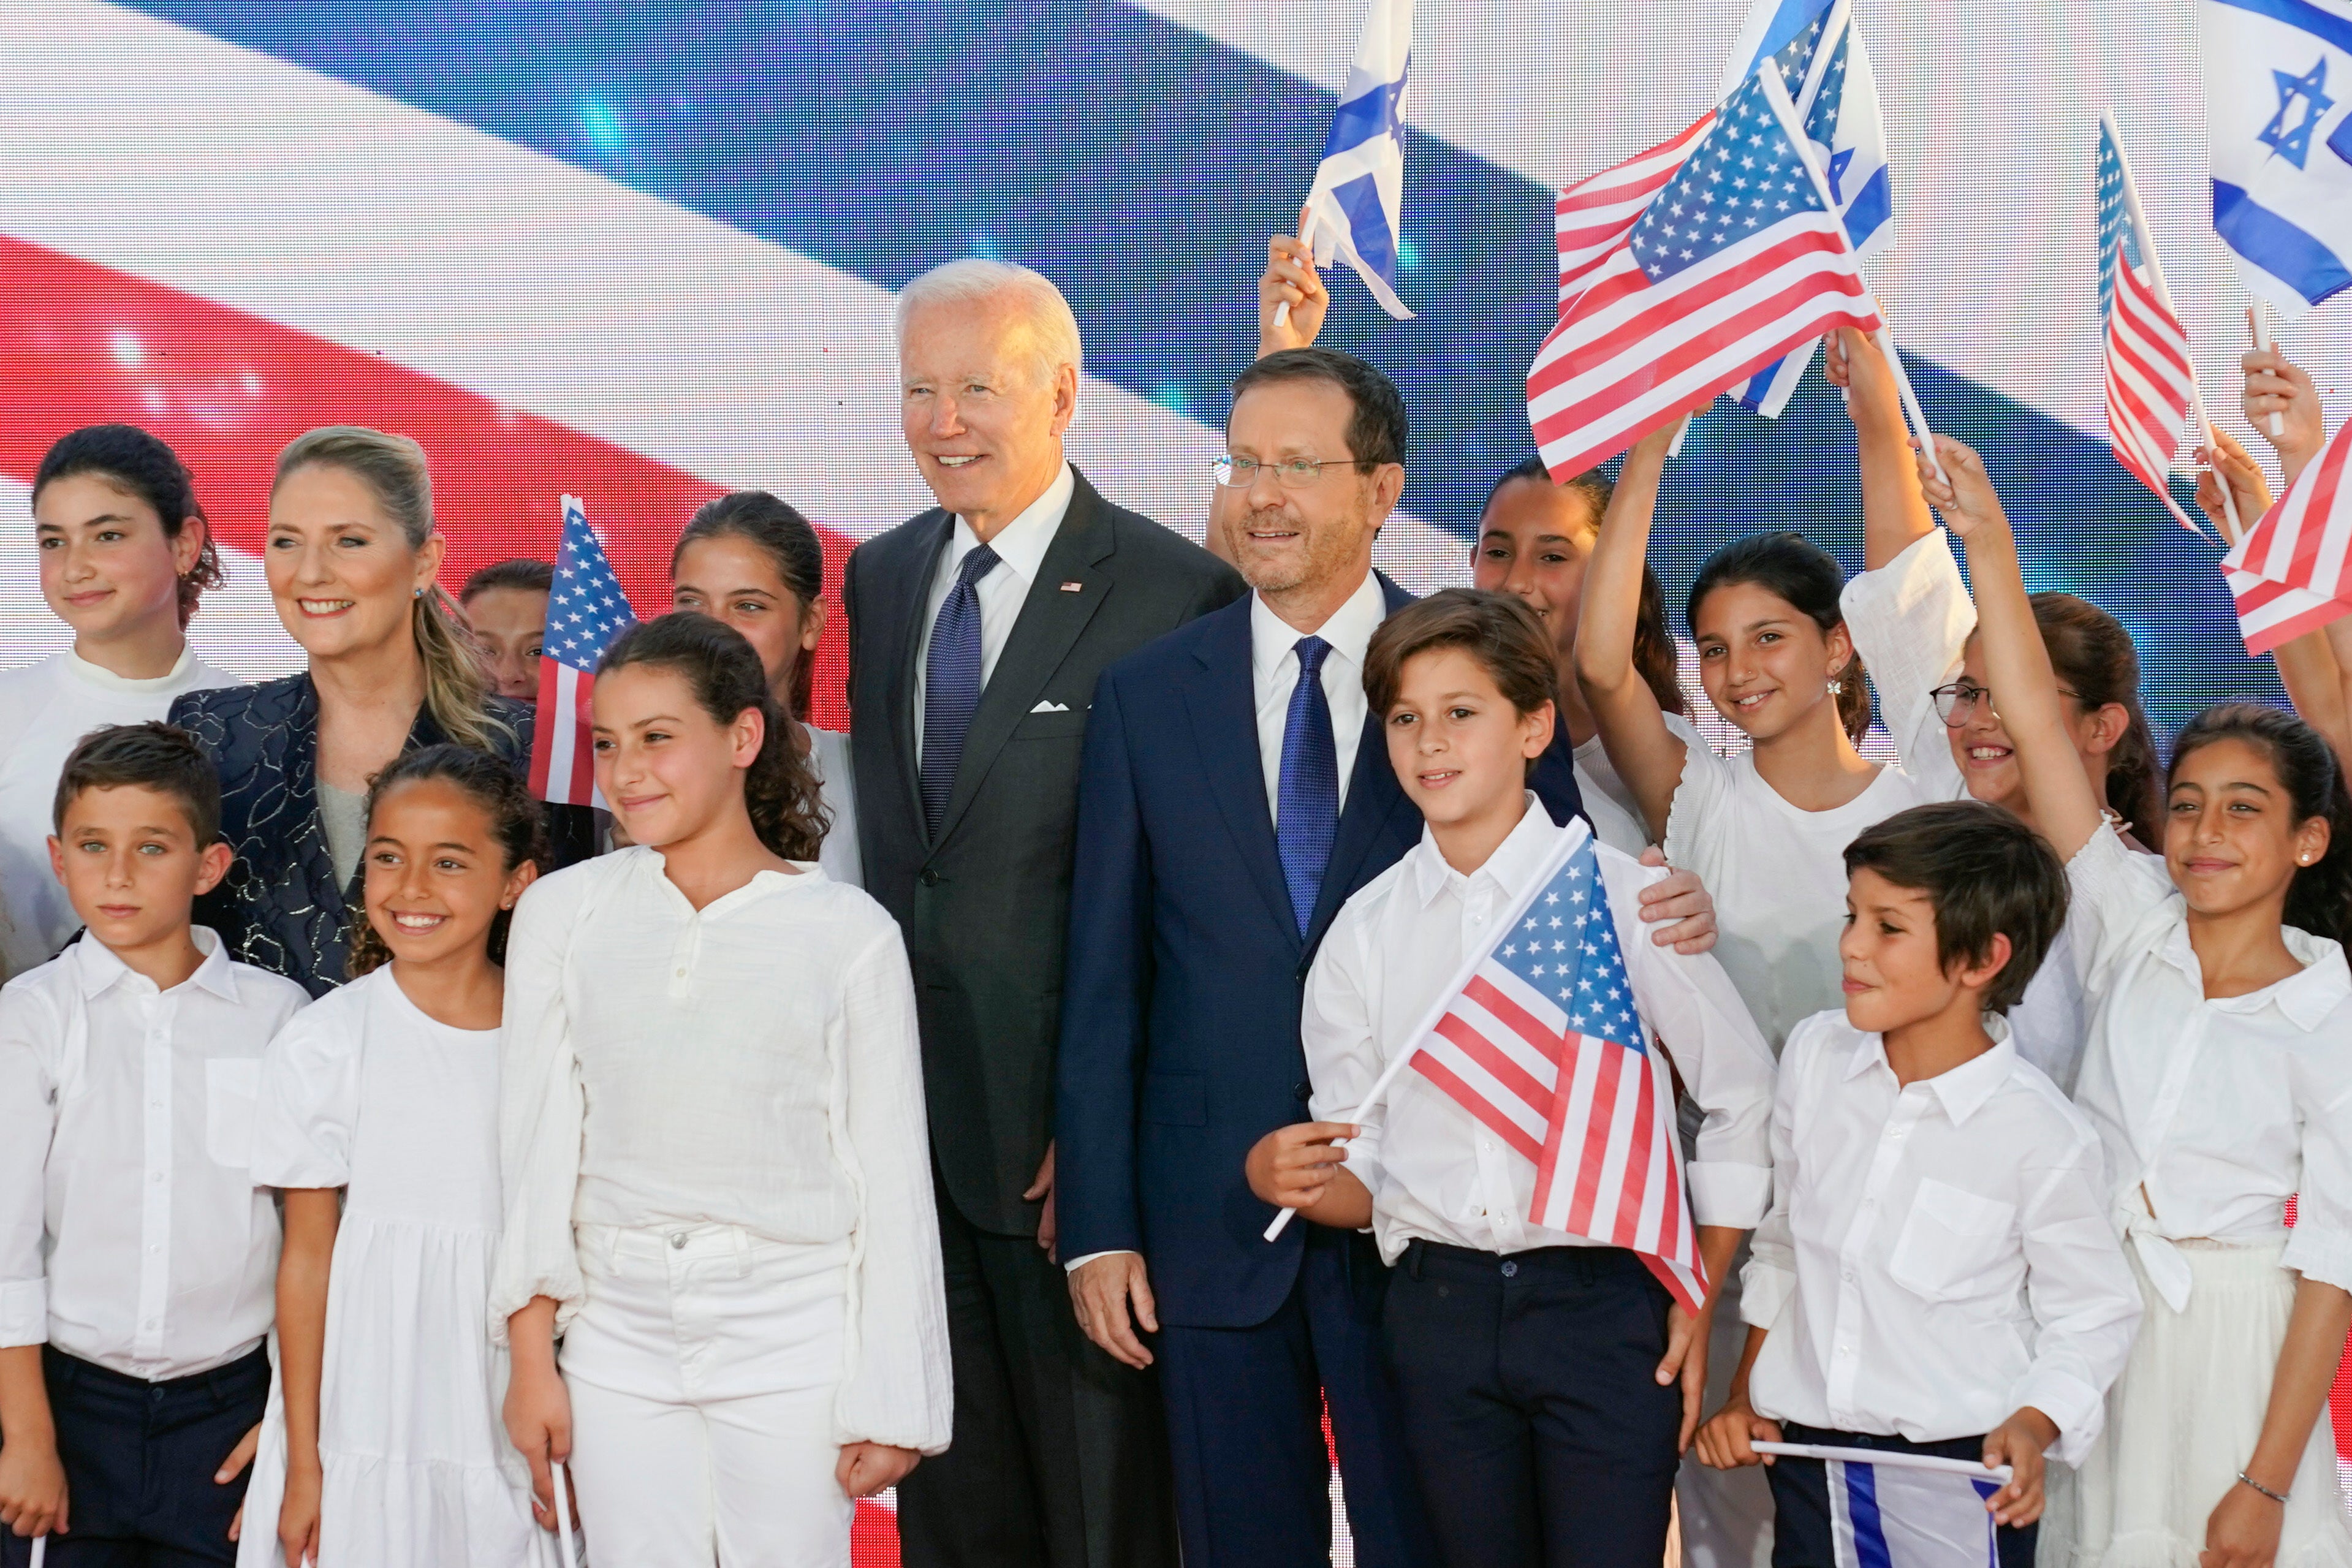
[{"x": 1233, "y": 792}]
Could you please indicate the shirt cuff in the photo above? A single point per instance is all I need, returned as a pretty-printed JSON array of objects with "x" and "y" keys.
[
  {"x": 2074, "y": 1406},
  {"x": 1075, "y": 1264},
  {"x": 1722, "y": 1192},
  {"x": 2317, "y": 1252},
  {"x": 1764, "y": 1291},
  {"x": 24, "y": 1313}
]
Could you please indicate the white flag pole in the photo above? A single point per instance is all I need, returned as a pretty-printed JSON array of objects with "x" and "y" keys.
[
  {"x": 40, "y": 1550},
  {"x": 1681, "y": 432},
  {"x": 1893, "y": 1460},
  {"x": 2147, "y": 237},
  {"x": 2264, "y": 339},
  {"x": 564, "y": 1513},
  {"x": 1305, "y": 211}
]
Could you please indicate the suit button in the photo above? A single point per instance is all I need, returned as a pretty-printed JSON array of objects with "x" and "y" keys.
[
  {"x": 1302, "y": 1093},
  {"x": 930, "y": 877}
]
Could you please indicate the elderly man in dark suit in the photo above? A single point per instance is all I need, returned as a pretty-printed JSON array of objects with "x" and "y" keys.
[{"x": 977, "y": 631}]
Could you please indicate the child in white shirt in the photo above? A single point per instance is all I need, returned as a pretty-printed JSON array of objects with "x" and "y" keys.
[
  {"x": 135, "y": 1256},
  {"x": 1935, "y": 1277},
  {"x": 1548, "y": 1376},
  {"x": 125, "y": 553}
]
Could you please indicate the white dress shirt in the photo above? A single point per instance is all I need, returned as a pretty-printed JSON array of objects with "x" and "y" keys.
[
  {"x": 131, "y": 1232},
  {"x": 1937, "y": 1257},
  {"x": 1020, "y": 546},
  {"x": 2213, "y": 1111},
  {"x": 1434, "y": 1170},
  {"x": 45, "y": 710},
  {"x": 1274, "y": 676},
  {"x": 752, "y": 1064}
]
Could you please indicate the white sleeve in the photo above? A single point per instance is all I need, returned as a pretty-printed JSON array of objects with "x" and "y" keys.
[
  {"x": 309, "y": 1102},
  {"x": 2112, "y": 892},
  {"x": 1910, "y": 621},
  {"x": 898, "y": 1388},
  {"x": 1707, "y": 1033},
  {"x": 1343, "y": 1060},
  {"x": 1698, "y": 818},
  {"x": 541, "y": 1114},
  {"x": 1769, "y": 1283},
  {"x": 29, "y": 1033},
  {"x": 2319, "y": 1246},
  {"x": 2085, "y": 1304}
]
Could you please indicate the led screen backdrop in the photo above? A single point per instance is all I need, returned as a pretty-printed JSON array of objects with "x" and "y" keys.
[{"x": 645, "y": 254}]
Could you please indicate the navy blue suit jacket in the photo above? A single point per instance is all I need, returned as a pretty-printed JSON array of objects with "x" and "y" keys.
[{"x": 1186, "y": 971}]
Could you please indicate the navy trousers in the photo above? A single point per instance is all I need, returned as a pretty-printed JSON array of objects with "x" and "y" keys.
[
  {"x": 139, "y": 1459},
  {"x": 1532, "y": 1405},
  {"x": 1245, "y": 1425},
  {"x": 1801, "y": 1530}
]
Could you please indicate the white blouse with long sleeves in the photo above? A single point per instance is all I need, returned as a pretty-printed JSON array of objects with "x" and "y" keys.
[
  {"x": 2213, "y": 1110},
  {"x": 752, "y": 1063}
]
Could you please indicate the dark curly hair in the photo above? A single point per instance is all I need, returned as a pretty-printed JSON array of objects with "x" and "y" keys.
[
  {"x": 488, "y": 782},
  {"x": 140, "y": 464},
  {"x": 781, "y": 788}
]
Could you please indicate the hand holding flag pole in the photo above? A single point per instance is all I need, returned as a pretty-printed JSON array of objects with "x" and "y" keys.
[
  {"x": 1380, "y": 1085},
  {"x": 2258, "y": 319}
]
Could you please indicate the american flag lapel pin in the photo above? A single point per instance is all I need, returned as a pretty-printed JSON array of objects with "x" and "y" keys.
[{"x": 1074, "y": 588}]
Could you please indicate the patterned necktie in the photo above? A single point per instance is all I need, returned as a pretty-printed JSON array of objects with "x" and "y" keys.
[
  {"x": 1307, "y": 817},
  {"x": 952, "y": 683}
]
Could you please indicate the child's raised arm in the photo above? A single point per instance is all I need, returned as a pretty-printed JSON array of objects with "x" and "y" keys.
[
  {"x": 2017, "y": 663},
  {"x": 1647, "y": 754},
  {"x": 1895, "y": 514}
]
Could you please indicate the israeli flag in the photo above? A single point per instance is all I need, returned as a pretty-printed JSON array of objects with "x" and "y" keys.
[
  {"x": 1906, "y": 1511},
  {"x": 2278, "y": 105},
  {"x": 1353, "y": 212},
  {"x": 1827, "y": 72}
]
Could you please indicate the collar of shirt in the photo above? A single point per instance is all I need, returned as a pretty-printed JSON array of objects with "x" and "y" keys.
[
  {"x": 2307, "y": 997},
  {"x": 1512, "y": 867},
  {"x": 1021, "y": 544},
  {"x": 97, "y": 968},
  {"x": 81, "y": 669},
  {"x": 1964, "y": 1089},
  {"x": 1348, "y": 630}
]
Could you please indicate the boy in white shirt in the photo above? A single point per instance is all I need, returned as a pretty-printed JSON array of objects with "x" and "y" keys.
[
  {"x": 1547, "y": 1379},
  {"x": 137, "y": 1260},
  {"x": 1938, "y": 1275}
]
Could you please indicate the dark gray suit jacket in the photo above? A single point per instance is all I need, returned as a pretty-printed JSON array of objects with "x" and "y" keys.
[{"x": 985, "y": 908}]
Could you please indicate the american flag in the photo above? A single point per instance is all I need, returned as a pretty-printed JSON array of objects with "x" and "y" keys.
[
  {"x": 2288, "y": 573},
  {"x": 1737, "y": 259},
  {"x": 2149, "y": 384},
  {"x": 1544, "y": 1046},
  {"x": 584, "y": 613},
  {"x": 1593, "y": 216}
]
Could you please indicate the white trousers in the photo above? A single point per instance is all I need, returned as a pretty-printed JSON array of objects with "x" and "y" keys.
[{"x": 703, "y": 1369}]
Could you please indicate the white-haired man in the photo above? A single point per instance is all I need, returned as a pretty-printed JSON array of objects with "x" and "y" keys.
[{"x": 977, "y": 630}]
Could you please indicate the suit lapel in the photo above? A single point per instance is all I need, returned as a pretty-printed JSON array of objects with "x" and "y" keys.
[
  {"x": 1052, "y": 617},
  {"x": 1222, "y": 703},
  {"x": 903, "y": 598}
]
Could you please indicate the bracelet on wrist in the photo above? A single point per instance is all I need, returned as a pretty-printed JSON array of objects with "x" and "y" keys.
[{"x": 2277, "y": 1497}]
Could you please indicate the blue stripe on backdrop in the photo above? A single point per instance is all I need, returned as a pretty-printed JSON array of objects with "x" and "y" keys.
[{"x": 1141, "y": 165}]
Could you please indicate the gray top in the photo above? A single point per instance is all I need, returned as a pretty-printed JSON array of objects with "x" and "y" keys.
[{"x": 343, "y": 814}]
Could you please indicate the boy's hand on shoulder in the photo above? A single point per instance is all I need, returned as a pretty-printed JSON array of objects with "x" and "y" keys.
[
  {"x": 1682, "y": 899},
  {"x": 1727, "y": 1440},
  {"x": 32, "y": 1489},
  {"x": 1292, "y": 1166},
  {"x": 2017, "y": 1443}
]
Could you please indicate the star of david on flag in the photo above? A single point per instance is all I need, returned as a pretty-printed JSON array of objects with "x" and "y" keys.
[
  {"x": 2278, "y": 75},
  {"x": 585, "y": 611},
  {"x": 1354, "y": 211},
  {"x": 1544, "y": 1045}
]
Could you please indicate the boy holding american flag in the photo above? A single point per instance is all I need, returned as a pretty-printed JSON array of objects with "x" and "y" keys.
[{"x": 1548, "y": 1323}]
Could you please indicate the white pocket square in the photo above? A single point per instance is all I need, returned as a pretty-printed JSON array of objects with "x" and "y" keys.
[{"x": 1051, "y": 708}]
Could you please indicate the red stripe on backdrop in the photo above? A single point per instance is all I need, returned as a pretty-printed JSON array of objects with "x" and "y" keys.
[{"x": 83, "y": 344}]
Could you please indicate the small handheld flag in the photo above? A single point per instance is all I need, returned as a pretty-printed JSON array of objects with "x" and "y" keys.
[
  {"x": 2288, "y": 574},
  {"x": 1354, "y": 213},
  {"x": 1592, "y": 217},
  {"x": 2150, "y": 384},
  {"x": 584, "y": 613},
  {"x": 1905, "y": 1511},
  {"x": 2278, "y": 78}
]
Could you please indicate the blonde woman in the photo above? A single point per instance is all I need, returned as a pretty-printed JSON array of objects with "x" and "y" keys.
[{"x": 351, "y": 557}]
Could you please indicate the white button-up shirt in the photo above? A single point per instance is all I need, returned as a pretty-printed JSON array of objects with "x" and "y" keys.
[
  {"x": 1937, "y": 1257},
  {"x": 1274, "y": 676},
  {"x": 131, "y": 1232},
  {"x": 2213, "y": 1111},
  {"x": 1434, "y": 1171},
  {"x": 1020, "y": 546}
]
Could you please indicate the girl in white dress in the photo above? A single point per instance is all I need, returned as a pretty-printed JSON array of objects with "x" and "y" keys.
[
  {"x": 2219, "y": 1077},
  {"x": 717, "y": 1175},
  {"x": 379, "y": 1119},
  {"x": 754, "y": 563}
]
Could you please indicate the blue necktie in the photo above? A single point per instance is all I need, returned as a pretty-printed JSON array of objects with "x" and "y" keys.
[
  {"x": 952, "y": 683},
  {"x": 1307, "y": 815}
]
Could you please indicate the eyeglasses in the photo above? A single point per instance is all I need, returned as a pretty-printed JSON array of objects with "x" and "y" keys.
[
  {"x": 1296, "y": 474},
  {"x": 1957, "y": 702}
]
